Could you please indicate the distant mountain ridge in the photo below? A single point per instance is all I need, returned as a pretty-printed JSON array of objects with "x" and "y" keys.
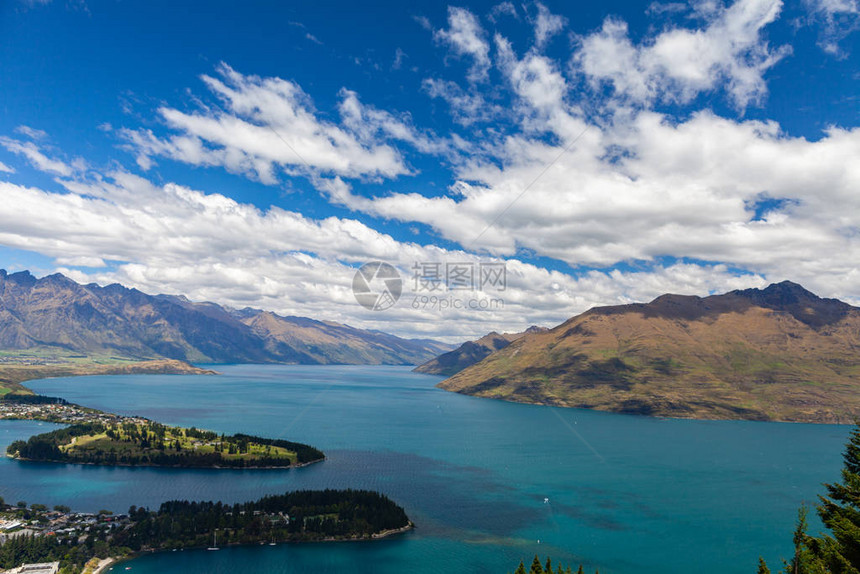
[
  {"x": 779, "y": 353},
  {"x": 472, "y": 352},
  {"x": 56, "y": 312}
]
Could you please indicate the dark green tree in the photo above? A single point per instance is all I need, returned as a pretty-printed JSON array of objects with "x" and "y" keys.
[
  {"x": 536, "y": 566},
  {"x": 762, "y": 566},
  {"x": 804, "y": 560},
  {"x": 840, "y": 512},
  {"x": 521, "y": 569}
]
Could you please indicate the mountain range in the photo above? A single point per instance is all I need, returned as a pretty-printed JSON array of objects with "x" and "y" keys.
[
  {"x": 779, "y": 353},
  {"x": 55, "y": 312},
  {"x": 472, "y": 352}
]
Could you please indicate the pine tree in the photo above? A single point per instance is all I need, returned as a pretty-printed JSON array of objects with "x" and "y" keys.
[
  {"x": 804, "y": 560},
  {"x": 521, "y": 569},
  {"x": 580, "y": 570},
  {"x": 536, "y": 566},
  {"x": 840, "y": 512},
  {"x": 762, "y": 566},
  {"x": 548, "y": 568}
]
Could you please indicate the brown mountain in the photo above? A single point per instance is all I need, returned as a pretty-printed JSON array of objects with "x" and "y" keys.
[
  {"x": 780, "y": 353},
  {"x": 56, "y": 313},
  {"x": 472, "y": 352}
]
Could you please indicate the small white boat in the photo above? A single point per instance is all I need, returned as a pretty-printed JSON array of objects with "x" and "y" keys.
[{"x": 214, "y": 542}]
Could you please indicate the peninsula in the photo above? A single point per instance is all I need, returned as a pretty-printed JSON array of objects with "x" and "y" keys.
[
  {"x": 780, "y": 353},
  {"x": 37, "y": 534},
  {"x": 95, "y": 437}
]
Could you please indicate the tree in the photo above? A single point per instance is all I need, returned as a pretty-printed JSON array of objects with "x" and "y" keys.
[
  {"x": 762, "y": 566},
  {"x": 536, "y": 566},
  {"x": 839, "y": 551},
  {"x": 521, "y": 569},
  {"x": 840, "y": 513},
  {"x": 804, "y": 560}
]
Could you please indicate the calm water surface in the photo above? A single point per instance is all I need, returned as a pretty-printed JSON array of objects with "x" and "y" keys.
[{"x": 625, "y": 494}]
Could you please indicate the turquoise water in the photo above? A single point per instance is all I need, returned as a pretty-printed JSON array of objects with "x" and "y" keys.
[{"x": 625, "y": 494}]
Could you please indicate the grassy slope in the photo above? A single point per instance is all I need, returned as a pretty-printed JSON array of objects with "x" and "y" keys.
[
  {"x": 122, "y": 445},
  {"x": 19, "y": 368},
  {"x": 754, "y": 364}
]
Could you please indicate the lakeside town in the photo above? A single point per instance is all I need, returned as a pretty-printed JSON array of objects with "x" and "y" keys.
[
  {"x": 61, "y": 412},
  {"x": 89, "y": 532},
  {"x": 37, "y": 540}
]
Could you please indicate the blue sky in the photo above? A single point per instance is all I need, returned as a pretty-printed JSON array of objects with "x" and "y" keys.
[{"x": 255, "y": 153}]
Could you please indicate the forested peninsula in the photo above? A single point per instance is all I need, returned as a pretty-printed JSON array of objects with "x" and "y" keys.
[
  {"x": 75, "y": 539},
  {"x": 96, "y": 437}
]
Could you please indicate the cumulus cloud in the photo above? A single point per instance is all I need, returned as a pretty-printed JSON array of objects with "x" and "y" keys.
[
  {"x": 174, "y": 239},
  {"x": 466, "y": 38},
  {"x": 657, "y": 187},
  {"x": 678, "y": 64},
  {"x": 265, "y": 125}
]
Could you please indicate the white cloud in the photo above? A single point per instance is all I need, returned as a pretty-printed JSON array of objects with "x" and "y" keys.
[
  {"x": 31, "y": 133},
  {"x": 506, "y": 8},
  {"x": 269, "y": 124},
  {"x": 467, "y": 107},
  {"x": 37, "y": 159},
  {"x": 399, "y": 57},
  {"x": 466, "y": 37},
  {"x": 546, "y": 25},
  {"x": 5, "y": 168},
  {"x": 81, "y": 261},
  {"x": 839, "y": 19},
  {"x": 209, "y": 247},
  {"x": 678, "y": 64},
  {"x": 656, "y": 188},
  {"x": 369, "y": 124}
]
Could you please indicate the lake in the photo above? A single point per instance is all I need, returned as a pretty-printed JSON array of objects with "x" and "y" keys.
[{"x": 487, "y": 483}]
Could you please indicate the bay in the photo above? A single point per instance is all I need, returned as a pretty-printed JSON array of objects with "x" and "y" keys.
[{"x": 488, "y": 483}]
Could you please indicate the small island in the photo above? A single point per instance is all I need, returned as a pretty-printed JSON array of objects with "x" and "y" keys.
[{"x": 82, "y": 541}]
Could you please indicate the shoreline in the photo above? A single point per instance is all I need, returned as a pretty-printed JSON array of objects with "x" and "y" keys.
[
  {"x": 12, "y": 376},
  {"x": 519, "y": 401},
  {"x": 149, "y": 465},
  {"x": 105, "y": 563},
  {"x": 372, "y": 538},
  {"x": 393, "y": 532}
]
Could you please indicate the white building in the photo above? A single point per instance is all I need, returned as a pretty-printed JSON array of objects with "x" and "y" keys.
[{"x": 40, "y": 568}]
